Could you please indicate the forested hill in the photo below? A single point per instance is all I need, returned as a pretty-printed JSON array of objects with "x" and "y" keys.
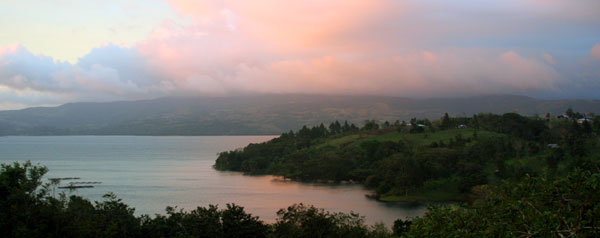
[
  {"x": 443, "y": 159},
  {"x": 254, "y": 115},
  {"x": 518, "y": 176}
]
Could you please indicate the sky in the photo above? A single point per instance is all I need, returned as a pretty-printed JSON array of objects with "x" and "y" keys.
[{"x": 58, "y": 51}]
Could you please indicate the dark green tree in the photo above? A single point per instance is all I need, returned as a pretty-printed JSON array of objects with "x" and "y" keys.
[{"x": 446, "y": 124}]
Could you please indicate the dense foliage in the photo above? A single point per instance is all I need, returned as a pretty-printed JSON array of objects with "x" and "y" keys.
[
  {"x": 536, "y": 207},
  {"x": 421, "y": 159}
]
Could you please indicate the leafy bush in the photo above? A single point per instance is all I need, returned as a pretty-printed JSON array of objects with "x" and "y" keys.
[{"x": 534, "y": 207}]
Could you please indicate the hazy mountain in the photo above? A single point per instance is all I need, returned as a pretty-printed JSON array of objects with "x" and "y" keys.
[{"x": 267, "y": 114}]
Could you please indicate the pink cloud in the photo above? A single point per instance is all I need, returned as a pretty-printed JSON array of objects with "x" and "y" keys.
[
  {"x": 548, "y": 58},
  {"x": 450, "y": 72},
  {"x": 401, "y": 48},
  {"x": 293, "y": 26},
  {"x": 11, "y": 49},
  {"x": 195, "y": 60},
  {"x": 305, "y": 47},
  {"x": 595, "y": 52}
]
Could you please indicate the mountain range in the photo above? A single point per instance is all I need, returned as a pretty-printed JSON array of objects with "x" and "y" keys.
[{"x": 258, "y": 114}]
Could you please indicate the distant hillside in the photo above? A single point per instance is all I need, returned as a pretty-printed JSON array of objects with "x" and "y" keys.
[{"x": 249, "y": 115}]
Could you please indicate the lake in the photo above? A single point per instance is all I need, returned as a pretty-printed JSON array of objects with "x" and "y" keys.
[{"x": 150, "y": 173}]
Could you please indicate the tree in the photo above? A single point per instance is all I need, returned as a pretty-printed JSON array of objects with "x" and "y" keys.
[
  {"x": 335, "y": 127},
  {"x": 300, "y": 220},
  {"x": 570, "y": 113},
  {"x": 237, "y": 223},
  {"x": 116, "y": 218},
  {"x": 568, "y": 206},
  {"x": 475, "y": 122},
  {"x": 446, "y": 124},
  {"x": 586, "y": 128},
  {"x": 346, "y": 127},
  {"x": 416, "y": 128},
  {"x": 370, "y": 125},
  {"x": 19, "y": 198},
  {"x": 401, "y": 226}
]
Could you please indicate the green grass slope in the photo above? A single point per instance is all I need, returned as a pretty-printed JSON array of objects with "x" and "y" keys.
[{"x": 436, "y": 161}]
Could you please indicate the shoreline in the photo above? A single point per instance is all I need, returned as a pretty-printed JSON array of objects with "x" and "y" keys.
[{"x": 415, "y": 199}]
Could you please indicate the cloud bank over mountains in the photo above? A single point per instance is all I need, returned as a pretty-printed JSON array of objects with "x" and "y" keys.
[{"x": 398, "y": 48}]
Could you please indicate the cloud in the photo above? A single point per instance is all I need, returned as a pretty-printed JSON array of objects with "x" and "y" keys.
[
  {"x": 417, "y": 74},
  {"x": 111, "y": 72},
  {"x": 229, "y": 59},
  {"x": 595, "y": 52},
  {"x": 398, "y": 48},
  {"x": 283, "y": 25},
  {"x": 548, "y": 59},
  {"x": 106, "y": 73},
  {"x": 408, "y": 48},
  {"x": 20, "y": 69}
]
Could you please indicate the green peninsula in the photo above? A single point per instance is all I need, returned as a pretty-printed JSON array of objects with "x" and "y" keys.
[{"x": 447, "y": 159}]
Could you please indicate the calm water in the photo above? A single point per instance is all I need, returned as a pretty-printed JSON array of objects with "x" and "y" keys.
[{"x": 150, "y": 173}]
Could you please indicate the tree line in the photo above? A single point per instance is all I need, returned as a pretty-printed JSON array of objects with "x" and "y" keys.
[{"x": 496, "y": 147}]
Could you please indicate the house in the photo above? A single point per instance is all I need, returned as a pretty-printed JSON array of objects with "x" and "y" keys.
[
  {"x": 552, "y": 146},
  {"x": 590, "y": 115},
  {"x": 581, "y": 120}
]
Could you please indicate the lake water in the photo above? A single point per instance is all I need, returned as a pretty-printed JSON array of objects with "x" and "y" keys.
[{"x": 150, "y": 173}]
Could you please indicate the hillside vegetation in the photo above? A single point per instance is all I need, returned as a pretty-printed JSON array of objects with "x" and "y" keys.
[
  {"x": 420, "y": 160},
  {"x": 255, "y": 114}
]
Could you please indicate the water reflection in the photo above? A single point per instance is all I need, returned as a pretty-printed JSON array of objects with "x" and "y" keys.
[{"x": 150, "y": 173}]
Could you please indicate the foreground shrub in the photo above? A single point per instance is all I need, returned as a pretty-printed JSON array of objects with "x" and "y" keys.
[{"x": 534, "y": 207}]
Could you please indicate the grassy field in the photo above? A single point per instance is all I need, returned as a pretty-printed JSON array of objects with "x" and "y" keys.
[
  {"x": 447, "y": 192},
  {"x": 418, "y": 139}
]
